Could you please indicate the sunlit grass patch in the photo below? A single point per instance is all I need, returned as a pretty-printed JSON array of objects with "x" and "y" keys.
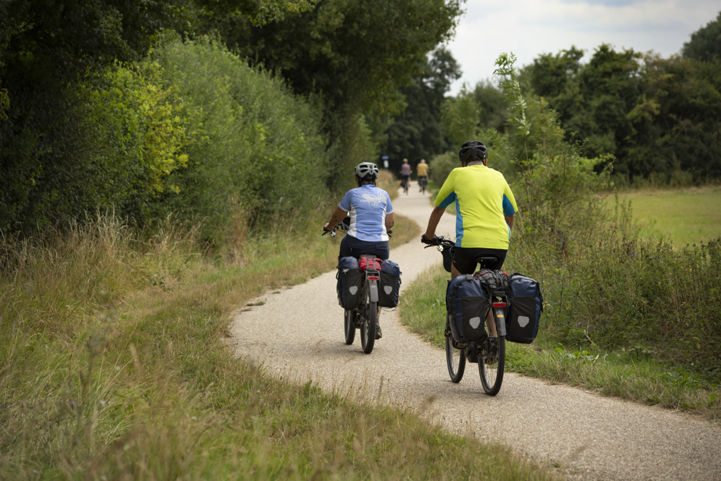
[{"x": 684, "y": 215}]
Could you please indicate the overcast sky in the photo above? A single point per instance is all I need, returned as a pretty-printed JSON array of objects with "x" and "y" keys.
[{"x": 529, "y": 28}]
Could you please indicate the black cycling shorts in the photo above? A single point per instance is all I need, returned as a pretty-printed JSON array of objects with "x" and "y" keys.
[
  {"x": 467, "y": 258},
  {"x": 351, "y": 246}
]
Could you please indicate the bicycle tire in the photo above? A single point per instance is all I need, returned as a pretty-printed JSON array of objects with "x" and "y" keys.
[
  {"x": 368, "y": 326},
  {"x": 491, "y": 367},
  {"x": 455, "y": 368},
  {"x": 349, "y": 326}
]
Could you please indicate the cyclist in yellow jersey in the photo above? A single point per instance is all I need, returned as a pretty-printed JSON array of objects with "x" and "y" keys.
[
  {"x": 422, "y": 172},
  {"x": 485, "y": 207}
]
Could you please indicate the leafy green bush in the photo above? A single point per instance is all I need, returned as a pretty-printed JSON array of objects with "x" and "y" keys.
[
  {"x": 441, "y": 165},
  {"x": 255, "y": 151},
  {"x": 117, "y": 138},
  {"x": 606, "y": 287},
  {"x": 132, "y": 131}
]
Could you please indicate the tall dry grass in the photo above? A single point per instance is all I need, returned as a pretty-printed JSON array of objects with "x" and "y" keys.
[{"x": 113, "y": 365}]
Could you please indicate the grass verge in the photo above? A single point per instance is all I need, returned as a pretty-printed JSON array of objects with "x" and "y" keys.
[
  {"x": 632, "y": 374},
  {"x": 683, "y": 216},
  {"x": 113, "y": 366}
]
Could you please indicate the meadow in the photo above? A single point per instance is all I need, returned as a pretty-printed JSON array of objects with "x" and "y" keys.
[{"x": 683, "y": 216}]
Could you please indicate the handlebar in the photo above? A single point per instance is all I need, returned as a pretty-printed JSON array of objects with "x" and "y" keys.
[
  {"x": 444, "y": 246},
  {"x": 441, "y": 242},
  {"x": 344, "y": 225}
]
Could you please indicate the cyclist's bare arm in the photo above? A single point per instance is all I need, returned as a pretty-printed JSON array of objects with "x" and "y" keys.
[
  {"x": 433, "y": 220},
  {"x": 390, "y": 220},
  {"x": 336, "y": 218},
  {"x": 509, "y": 221}
]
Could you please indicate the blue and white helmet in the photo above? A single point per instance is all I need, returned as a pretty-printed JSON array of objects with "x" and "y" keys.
[{"x": 366, "y": 170}]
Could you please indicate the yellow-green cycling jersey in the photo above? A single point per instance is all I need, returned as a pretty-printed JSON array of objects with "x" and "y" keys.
[{"x": 482, "y": 198}]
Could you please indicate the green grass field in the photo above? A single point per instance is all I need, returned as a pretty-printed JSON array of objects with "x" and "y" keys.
[{"x": 681, "y": 215}]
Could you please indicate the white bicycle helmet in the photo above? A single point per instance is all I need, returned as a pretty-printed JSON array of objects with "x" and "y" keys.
[{"x": 366, "y": 170}]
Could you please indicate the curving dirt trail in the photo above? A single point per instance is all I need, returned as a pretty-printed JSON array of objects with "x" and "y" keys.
[{"x": 590, "y": 437}]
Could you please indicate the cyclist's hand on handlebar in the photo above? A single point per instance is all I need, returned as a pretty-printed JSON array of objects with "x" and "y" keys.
[
  {"x": 326, "y": 229},
  {"x": 430, "y": 242}
]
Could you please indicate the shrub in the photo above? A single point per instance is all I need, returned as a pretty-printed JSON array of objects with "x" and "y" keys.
[
  {"x": 255, "y": 151},
  {"x": 132, "y": 131}
]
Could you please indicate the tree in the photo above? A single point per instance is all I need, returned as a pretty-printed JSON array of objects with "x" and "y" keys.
[
  {"x": 705, "y": 43},
  {"x": 45, "y": 46},
  {"x": 353, "y": 55},
  {"x": 597, "y": 105},
  {"x": 470, "y": 112},
  {"x": 416, "y": 132},
  {"x": 551, "y": 74},
  {"x": 682, "y": 118}
]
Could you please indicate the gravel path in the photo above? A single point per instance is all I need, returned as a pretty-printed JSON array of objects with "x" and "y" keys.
[{"x": 297, "y": 335}]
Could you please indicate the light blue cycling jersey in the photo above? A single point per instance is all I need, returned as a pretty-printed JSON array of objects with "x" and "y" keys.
[{"x": 368, "y": 206}]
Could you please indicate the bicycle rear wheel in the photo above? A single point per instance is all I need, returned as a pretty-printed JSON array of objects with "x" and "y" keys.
[
  {"x": 368, "y": 326},
  {"x": 349, "y": 325},
  {"x": 491, "y": 364},
  {"x": 455, "y": 359}
]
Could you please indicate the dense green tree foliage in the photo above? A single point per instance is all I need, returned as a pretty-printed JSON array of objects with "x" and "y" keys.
[
  {"x": 593, "y": 100},
  {"x": 352, "y": 54},
  {"x": 464, "y": 115},
  {"x": 416, "y": 132},
  {"x": 658, "y": 118},
  {"x": 45, "y": 47},
  {"x": 705, "y": 43},
  {"x": 86, "y": 122},
  {"x": 255, "y": 151}
]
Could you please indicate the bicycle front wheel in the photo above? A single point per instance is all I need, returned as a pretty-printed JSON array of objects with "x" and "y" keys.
[
  {"x": 491, "y": 363},
  {"x": 368, "y": 327},
  {"x": 455, "y": 359},
  {"x": 349, "y": 325}
]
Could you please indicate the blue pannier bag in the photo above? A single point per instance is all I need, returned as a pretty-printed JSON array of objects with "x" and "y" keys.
[
  {"x": 350, "y": 282},
  {"x": 467, "y": 306},
  {"x": 525, "y": 310},
  {"x": 390, "y": 284}
]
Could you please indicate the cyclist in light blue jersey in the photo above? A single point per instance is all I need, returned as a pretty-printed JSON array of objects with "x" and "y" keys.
[
  {"x": 371, "y": 216},
  {"x": 371, "y": 219}
]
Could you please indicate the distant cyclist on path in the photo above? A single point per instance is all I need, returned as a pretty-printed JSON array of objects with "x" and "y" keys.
[
  {"x": 406, "y": 175},
  {"x": 422, "y": 172}
]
